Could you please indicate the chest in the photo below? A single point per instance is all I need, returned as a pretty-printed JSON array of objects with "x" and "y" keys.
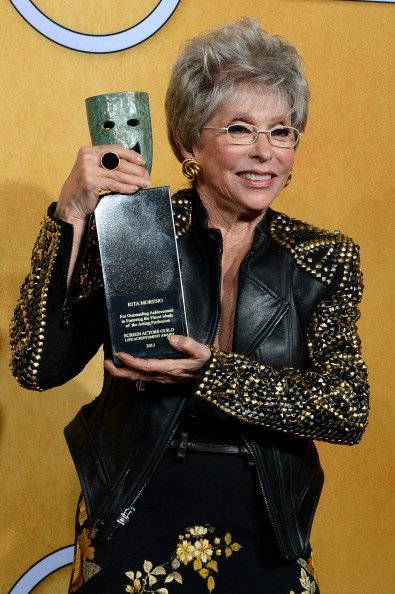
[{"x": 229, "y": 294}]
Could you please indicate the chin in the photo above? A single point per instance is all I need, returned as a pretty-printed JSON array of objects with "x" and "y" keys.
[{"x": 259, "y": 206}]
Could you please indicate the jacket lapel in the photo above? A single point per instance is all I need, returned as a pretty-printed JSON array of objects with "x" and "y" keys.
[{"x": 264, "y": 282}]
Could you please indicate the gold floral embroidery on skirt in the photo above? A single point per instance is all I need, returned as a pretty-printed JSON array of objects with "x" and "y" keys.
[
  {"x": 82, "y": 513},
  {"x": 307, "y": 567},
  {"x": 198, "y": 547},
  {"x": 83, "y": 566}
]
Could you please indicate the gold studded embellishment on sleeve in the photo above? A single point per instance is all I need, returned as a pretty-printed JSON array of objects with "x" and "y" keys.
[
  {"x": 28, "y": 322},
  {"x": 331, "y": 401},
  {"x": 316, "y": 251}
]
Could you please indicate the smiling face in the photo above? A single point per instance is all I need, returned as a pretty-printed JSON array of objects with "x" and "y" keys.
[{"x": 243, "y": 180}]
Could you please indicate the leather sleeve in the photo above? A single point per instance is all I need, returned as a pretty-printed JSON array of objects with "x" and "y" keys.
[
  {"x": 55, "y": 332},
  {"x": 329, "y": 401}
]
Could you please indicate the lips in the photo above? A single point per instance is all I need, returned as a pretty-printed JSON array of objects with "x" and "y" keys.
[{"x": 256, "y": 176}]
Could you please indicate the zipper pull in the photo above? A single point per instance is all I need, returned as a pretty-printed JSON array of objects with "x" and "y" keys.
[
  {"x": 125, "y": 515},
  {"x": 65, "y": 314}
]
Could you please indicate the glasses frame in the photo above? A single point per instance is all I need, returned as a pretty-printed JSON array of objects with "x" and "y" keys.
[{"x": 256, "y": 134}]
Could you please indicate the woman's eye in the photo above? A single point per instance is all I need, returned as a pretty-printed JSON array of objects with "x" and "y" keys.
[
  {"x": 281, "y": 132},
  {"x": 238, "y": 129}
]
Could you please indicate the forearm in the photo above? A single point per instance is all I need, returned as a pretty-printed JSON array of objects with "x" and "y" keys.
[
  {"x": 320, "y": 406},
  {"x": 47, "y": 349}
]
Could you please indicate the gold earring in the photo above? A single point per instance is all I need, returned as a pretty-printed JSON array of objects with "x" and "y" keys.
[
  {"x": 191, "y": 169},
  {"x": 289, "y": 179}
]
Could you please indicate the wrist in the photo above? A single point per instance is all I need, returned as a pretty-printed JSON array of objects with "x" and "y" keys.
[{"x": 64, "y": 214}]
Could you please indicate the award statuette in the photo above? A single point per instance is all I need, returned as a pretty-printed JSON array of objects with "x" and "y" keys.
[{"x": 137, "y": 240}]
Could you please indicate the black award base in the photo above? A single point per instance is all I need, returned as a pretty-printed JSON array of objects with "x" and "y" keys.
[{"x": 141, "y": 271}]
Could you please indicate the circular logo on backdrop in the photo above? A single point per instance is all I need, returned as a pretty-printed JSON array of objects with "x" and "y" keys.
[
  {"x": 42, "y": 569},
  {"x": 96, "y": 44}
]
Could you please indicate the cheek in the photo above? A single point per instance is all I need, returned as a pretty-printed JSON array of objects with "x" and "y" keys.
[
  {"x": 288, "y": 160},
  {"x": 217, "y": 164},
  {"x": 229, "y": 157}
]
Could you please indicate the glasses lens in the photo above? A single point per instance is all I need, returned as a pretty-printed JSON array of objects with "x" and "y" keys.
[
  {"x": 241, "y": 133},
  {"x": 284, "y": 136}
]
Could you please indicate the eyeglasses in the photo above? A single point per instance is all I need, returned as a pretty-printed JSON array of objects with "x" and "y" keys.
[{"x": 282, "y": 136}]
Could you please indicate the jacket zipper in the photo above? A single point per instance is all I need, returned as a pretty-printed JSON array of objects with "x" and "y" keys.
[
  {"x": 258, "y": 466},
  {"x": 124, "y": 517},
  {"x": 219, "y": 274}
]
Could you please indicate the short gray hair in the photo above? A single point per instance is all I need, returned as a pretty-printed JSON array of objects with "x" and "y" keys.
[{"x": 212, "y": 67}]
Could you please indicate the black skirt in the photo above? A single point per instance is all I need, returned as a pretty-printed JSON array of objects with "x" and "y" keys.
[{"x": 199, "y": 526}]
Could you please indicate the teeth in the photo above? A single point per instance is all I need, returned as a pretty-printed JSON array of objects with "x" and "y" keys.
[{"x": 255, "y": 177}]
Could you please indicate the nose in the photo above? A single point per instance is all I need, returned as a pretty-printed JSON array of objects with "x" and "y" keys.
[{"x": 262, "y": 148}]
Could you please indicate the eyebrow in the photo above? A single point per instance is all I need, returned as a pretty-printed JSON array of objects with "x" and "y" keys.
[{"x": 276, "y": 118}]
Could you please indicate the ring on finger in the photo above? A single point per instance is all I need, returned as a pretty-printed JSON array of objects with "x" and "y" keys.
[{"x": 110, "y": 161}]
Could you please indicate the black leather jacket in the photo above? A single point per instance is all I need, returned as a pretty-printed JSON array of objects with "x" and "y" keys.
[{"x": 297, "y": 375}]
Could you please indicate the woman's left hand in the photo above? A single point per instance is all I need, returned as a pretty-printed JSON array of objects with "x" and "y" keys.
[{"x": 164, "y": 371}]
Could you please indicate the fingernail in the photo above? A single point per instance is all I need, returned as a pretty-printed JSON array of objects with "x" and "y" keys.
[
  {"x": 140, "y": 160},
  {"x": 146, "y": 183},
  {"x": 120, "y": 355},
  {"x": 173, "y": 339}
]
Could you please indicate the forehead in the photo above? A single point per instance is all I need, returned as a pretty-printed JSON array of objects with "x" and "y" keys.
[{"x": 258, "y": 103}]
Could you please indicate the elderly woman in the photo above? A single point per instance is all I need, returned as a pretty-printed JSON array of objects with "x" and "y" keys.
[{"x": 200, "y": 472}]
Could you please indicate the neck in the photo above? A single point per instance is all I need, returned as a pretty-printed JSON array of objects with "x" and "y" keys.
[{"x": 237, "y": 228}]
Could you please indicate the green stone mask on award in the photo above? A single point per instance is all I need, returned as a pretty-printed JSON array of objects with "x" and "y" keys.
[{"x": 121, "y": 118}]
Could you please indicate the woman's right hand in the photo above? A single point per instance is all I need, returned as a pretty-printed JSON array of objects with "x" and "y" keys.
[{"x": 88, "y": 180}]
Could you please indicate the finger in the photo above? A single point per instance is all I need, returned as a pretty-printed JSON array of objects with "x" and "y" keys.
[
  {"x": 128, "y": 374},
  {"x": 124, "y": 373},
  {"x": 111, "y": 185},
  {"x": 88, "y": 166},
  {"x": 149, "y": 366},
  {"x": 105, "y": 186},
  {"x": 97, "y": 180},
  {"x": 155, "y": 368},
  {"x": 126, "y": 167},
  {"x": 127, "y": 154},
  {"x": 184, "y": 375},
  {"x": 116, "y": 188},
  {"x": 132, "y": 175},
  {"x": 189, "y": 346},
  {"x": 126, "y": 174}
]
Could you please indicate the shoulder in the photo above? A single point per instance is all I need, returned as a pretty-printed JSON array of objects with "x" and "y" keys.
[{"x": 321, "y": 253}]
